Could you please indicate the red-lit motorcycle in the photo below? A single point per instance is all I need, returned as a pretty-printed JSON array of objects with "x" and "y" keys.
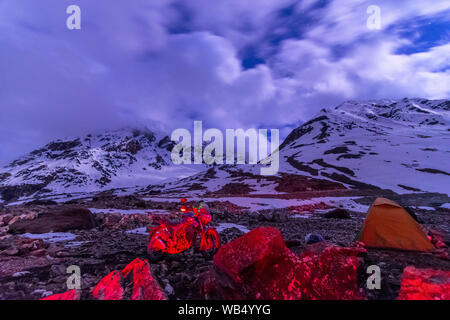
[{"x": 174, "y": 238}]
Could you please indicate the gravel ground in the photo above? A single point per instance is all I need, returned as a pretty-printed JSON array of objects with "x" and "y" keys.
[{"x": 100, "y": 250}]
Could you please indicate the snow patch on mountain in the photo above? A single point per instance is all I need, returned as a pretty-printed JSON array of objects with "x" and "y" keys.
[
  {"x": 398, "y": 145},
  {"x": 116, "y": 159}
]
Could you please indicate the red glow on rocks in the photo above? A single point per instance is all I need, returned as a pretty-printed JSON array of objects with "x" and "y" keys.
[
  {"x": 173, "y": 238},
  {"x": 134, "y": 282},
  {"x": 69, "y": 295},
  {"x": 262, "y": 266},
  {"x": 145, "y": 286},
  {"x": 424, "y": 284},
  {"x": 109, "y": 288}
]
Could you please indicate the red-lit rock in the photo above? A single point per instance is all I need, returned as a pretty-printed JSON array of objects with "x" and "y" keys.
[
  {"x": 69, "y": 295},
  {"x": 424, "y": 284},
  {"x": 214, "y": 285},
  {"x": 258, "y": 249},
  {"x": 109, "y": 288},
  {"x": 145, "y": 286},
  {"x": 134, "y": 282},
  {"x": 262, "y": 267},
  {"x": 329, "y": 272},
  {"x": 55, "y": 220},
  {"x": 260, "y": 264},
  {"x": 439, "y": 238}
]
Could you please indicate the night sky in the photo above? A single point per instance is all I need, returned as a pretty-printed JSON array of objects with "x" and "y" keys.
[{"x": 230, "y": 63}]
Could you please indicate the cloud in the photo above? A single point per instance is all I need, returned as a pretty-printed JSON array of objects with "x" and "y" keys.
[{"x": 176, "y": 61}]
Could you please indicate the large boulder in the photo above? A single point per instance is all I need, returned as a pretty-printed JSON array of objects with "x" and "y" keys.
[
  {"x": 337, "y": 214},
  {"x": 424, "y": 284},
  {"x": 134, "y": 282},
  {"x": 313, "y": 237},
  {"x": 145, "y": 287},
  {"x": 57, "y": 221},
  {"x": 110, "y": 287},
  {"x": 257, "y": 249},
  {"x": 439, "y": 238},
  {"x": 330, "y": 272},
  {"x": 41, "y": 202},
  {"x": 260, "y": 266}
]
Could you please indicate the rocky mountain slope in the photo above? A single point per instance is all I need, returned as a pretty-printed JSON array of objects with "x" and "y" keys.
[
  {"x": 121, "y": 158},
  {"x": 402, "y": 146},
  {"x": 398, "y": 145}
]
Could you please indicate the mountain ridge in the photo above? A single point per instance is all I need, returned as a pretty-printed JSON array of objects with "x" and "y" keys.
[{"x": 399, "y": 145}]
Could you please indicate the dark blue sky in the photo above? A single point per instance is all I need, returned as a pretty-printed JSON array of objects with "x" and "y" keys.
[{"x": 231, "y": 63}]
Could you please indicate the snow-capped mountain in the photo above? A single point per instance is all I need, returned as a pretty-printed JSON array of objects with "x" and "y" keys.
[
  {"x": 120, "y": 158},
  {"x": 401, "y": 146}
]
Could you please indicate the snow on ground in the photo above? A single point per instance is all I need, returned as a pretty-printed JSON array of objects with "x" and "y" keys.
[
  {"x": 51, "y": 236},
  {"x": 302, "y": 216},
  {"x": 392, "y": 145},
  {"x": 59, "y": 198},
  {"x": 426, "y": 208},
  {"x": 223, "y": 226},
  {"x": 141, "y": 231},
  {"x": 75, "y": 244},
  {"x": 255, "y": 204},
  {"x": 446, "y": 205},
  {"x": 129, "y": 211}
]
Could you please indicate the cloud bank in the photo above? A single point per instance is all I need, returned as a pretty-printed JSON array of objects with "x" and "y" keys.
[{"x": 231, "y": 64}]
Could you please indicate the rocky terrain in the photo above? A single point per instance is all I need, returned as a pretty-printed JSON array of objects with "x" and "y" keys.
[
  {"x": 110, "y": 232},
  {"x": 89, "y": 202}
]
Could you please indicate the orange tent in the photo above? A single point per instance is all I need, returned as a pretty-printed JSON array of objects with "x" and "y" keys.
[{"x": 388, "y": 225}]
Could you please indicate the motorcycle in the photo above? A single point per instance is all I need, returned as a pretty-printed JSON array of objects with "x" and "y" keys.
[{"x": 172, "y": 238}]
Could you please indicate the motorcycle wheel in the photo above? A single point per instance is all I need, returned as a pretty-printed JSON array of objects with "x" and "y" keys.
[
  {"x": 155, "y": 255},
  {"x": 215, "y": 241}
]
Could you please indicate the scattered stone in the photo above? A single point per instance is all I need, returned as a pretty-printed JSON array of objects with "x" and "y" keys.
[
  {"x": 46, "y": 293},
  {"x": 109, "y": 288},
  {"x": 337, "y": 214},
  {"x": 5, "y": 219},
  {"x": 169, "y": 289},
  {"x": 41, "y": 202},
  {"x": 58, "y": 269},
  {"x": 134, "y": 282},
  {"x": 56, "y": 221},
  {"x": 5, "y": 237},
  {"x": 20, "y": 274},
  {"x": 11, "y": 252},
  {"x": 424, "y": 284},
  {"x": 38, "y": 253},
  {"x": 313, "y": 237},
  {"x": 69, "y": 295},
  {"x": 26, "y": 245},
  {"x": 260, "y": 266},
  {"x": 439, "y": 238}
]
